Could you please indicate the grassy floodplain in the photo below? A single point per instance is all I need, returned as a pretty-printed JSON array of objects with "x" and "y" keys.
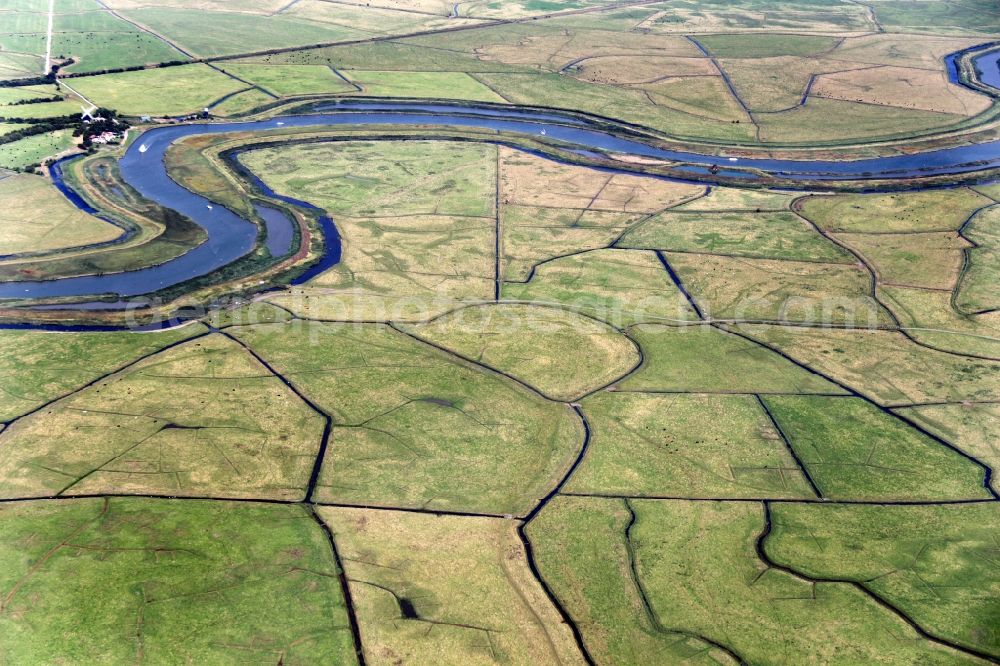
[
  {"x": 724, "y": 594},
  {"x": 583, "y": 552},
  {"x": 772, "y": 235},
  {"x": 408, "y": 239},
  {"x": 417, "y": 427},
  {"x": 36, "y": 218},
  {"x": 931, "y": 319},
  {"x": 973, "y": 426},
  {"x": 766, "y": 289},
  {"x": 855, "y": 451},
  {"x": 120, "y": 579},
  {"x": 170, "y": 91},
  {"x": 498, "y": 335},
  {"x": 538, "y": 412},
  {"x": 698, "y": 359},
  {"x": 975, "y": 292},
  {"x": 237, "y": 432},
  {"x": 40, "y": 366},
  {"x": 685, "y": 445},
  {"x": 549, "y": 210},
  {"x": 454, "y": 590},
  {"x": 884, "y": 365},
  {"x": 618, "y": 286},
  {"x": 932, "y": 561}
]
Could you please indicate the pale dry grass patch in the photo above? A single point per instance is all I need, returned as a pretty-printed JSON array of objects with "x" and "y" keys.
[
  {"x": 904, "y": 87},
  {"x": 446, "y": 590}
]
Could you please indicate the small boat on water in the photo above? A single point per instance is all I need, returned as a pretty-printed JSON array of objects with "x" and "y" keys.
[
  {"x": 143, "y": 148},
  {"x": 208, "y": 206}
]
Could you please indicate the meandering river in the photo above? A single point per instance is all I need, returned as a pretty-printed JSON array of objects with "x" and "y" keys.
[{"x": 231, "y": 237}]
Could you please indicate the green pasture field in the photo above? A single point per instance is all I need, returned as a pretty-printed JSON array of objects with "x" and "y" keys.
[
  {"x": 549, "y": 210},
  {"x": 854, "y": 451},
  {"x": 19, "y": 65},
  {"x": 930, "y": 318},
  {"x": 933, "y": 562},
  {"x": 7, "y": 128},
  {"x": 584, "y": 551},
  {"x": 39, "y": 366},
  {"x": 25, "y": 93},
  {"x": 411, "y": 54},
  {"x": 235, "y": 31},
  {"x": 768, "y": 289},
  {"x": 884, "y": 365},
  {"x": 752, "y": 15},
  {"x": 931, "y": 260},
  {"x": 417, "y": 219},
  {"x": 373, "y": 18},
  {"x": 757, "y": 45},
  {"x": 775, "y": 85},
  {"x": 622, "y": 104},
  {"x": 921, "y": 211},
  {"x": 971, "y": 427},
  {"x": 240, "y": 103},
  {"x": 259, "y": 312},
  {"x": 120, "y": 579},
  {"x": 443, "y": 85},
  {"x": 168, "y": 91},
  {"x": 695, "y": 576},
  {"x": 35, "y": 149},
  {"x": 621, "y": 287},
  {"x": 498, "y": 337},
  {"x": 977, "y": 290},
  {"x": 236, "y": 432},
  {"x": 839, "y": 121},
  {"x": 376, "y": 178},
  {"x": 735, "y": 199},
  {"x": 707, "y": 96},
  {"x": 532, "y": 235},
  {"x": 94, "y": 51},
  {"x": 290, "y": 79},
  {"x": 417, "y": 427},
  {"x": 731, "y": 595},
  {"x": 40, "y": 110},
  {"x": 963, "y": 17},
  {"x": 696, "y": 359},
  {"x": 685, "y": 445},
  {"x": 773, "y": 235},
  {"x": 401, "y": 267}
]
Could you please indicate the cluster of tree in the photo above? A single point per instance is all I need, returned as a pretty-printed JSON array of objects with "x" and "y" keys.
[
  {"x": 33, "y": 100},
  {"x": 33, "y": 81},
  {"x": 51, "y": 123},
  {"x": 119, "y": 70},
  {"x": 102, "y": 120},
  {"x": 53, "y": 76}
]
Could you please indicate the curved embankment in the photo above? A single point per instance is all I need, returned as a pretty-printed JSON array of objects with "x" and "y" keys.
[
  {"x": 231, "y": 237},
  {"x": 984, "y": 65}
]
